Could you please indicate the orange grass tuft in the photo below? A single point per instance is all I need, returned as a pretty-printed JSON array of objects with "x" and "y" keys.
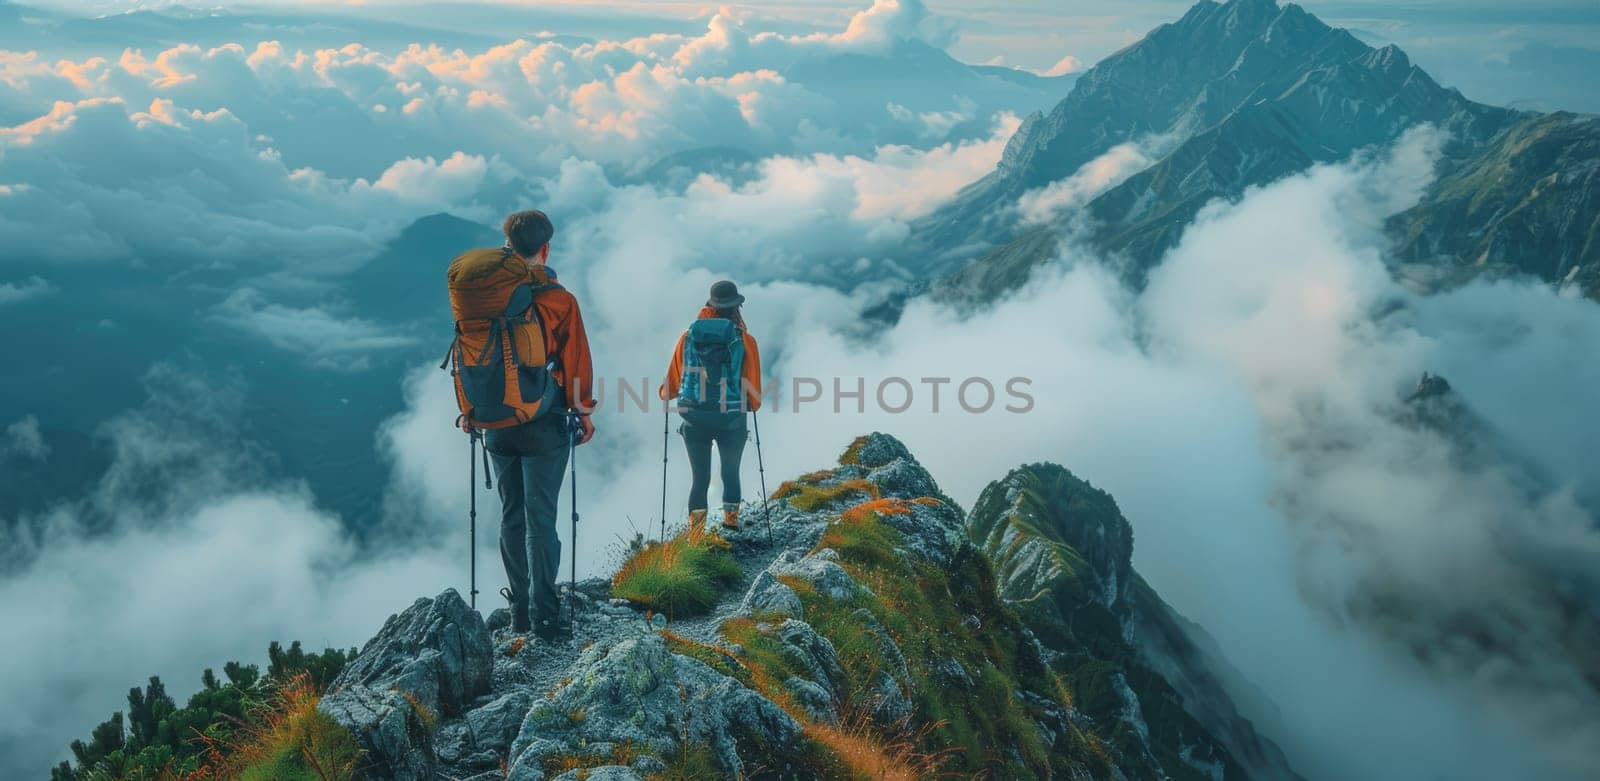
[
  {"x": 810, "y": 498},
  {"x": 861, "y": 513},
  {"x": 285, "y": 737}
]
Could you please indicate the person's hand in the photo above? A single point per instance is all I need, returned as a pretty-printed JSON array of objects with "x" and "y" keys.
[
  {"x": 463, "y": 424},
  {"x": 586, "y": 427}
]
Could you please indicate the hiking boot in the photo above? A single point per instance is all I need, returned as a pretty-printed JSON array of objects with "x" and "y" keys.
[
  {"x": 697, "y": 520},
  {"x": 553, "y": 631},
  {"x": 519, "y": 613},
  {"x": 730, "y": 516}
]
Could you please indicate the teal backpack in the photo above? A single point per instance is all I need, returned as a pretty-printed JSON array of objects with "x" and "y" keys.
[{"x": 713, "y": 365}]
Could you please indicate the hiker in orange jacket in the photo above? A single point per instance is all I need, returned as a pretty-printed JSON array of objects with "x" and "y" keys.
[
  {"x": 715, "y": 373},
  {"x": 530, "y": 459}
]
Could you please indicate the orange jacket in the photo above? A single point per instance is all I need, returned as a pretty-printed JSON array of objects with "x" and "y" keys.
[
  {"x": 751, "y": 375},
  {"x": 566, "y": 339}
]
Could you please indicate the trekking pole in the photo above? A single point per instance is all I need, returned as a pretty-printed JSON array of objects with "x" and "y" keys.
[
  {"x": 572, "y": 458},
  {"x": 666, "y": 418},
  {"x": 472, "y": 516},
  {"x": 761, "y": 465}
]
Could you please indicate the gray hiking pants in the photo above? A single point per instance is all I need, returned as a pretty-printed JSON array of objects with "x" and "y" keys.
[
  {"x": 700, "y": 431},
  {"x": 530, "y": 462}
]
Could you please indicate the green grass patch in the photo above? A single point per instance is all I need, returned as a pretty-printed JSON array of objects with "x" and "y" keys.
[
  {"x": 809, "y": 497},
  {"x": 693, "y": 762},
  {"x": 681, "y": 577},
  {"x": 852, "y": 453}
]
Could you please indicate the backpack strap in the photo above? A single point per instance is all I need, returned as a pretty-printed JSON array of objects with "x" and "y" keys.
[
  {"x": 552, "y": 357},
  {"x": 449, "y": 352}
]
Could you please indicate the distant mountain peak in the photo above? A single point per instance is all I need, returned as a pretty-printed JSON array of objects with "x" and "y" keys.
[
  {"x": 1248, "y": 92},
  {"x": 1389, "y": 59},
  {"x": 432, "y": 224},
  {"x": 1429, "y": 386}
]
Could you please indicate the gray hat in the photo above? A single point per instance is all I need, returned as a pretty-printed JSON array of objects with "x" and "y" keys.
[{"x": 724, "y": 295}]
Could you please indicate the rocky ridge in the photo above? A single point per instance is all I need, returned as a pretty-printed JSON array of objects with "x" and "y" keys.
[{"x": 874, "y": 639}]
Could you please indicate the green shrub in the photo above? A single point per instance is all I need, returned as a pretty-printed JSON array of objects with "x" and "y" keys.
[{"x": 157, "y": 739}]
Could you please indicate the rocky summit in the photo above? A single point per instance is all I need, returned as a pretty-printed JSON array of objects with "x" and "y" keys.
[{"x": 878, "y": 631}]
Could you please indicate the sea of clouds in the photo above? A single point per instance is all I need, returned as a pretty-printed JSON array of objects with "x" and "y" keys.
[{"x": 1410, "y": 611}]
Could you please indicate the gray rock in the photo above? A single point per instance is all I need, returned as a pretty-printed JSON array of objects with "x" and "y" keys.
[
  {"x": 495, "y": 725},
  {"x": 438, "y": 651},
  {"x": 816, "y": 700},
  {"x": 889, "y": 703},
  {"x": 429, "y": 661},
  {"x": 453, "y": 742},
  {"x": 804, "y": 646},
  {"x": 395, "y": 736},
  {"x": 878, "y": 449},
  {"x": 951, "y": 673},
  {"x": 483, "y": 759},
  {"x": 644, "y": 766},
  {"x": 904, "y": 478},
  {"x": 637, "y": 691},
  {"x": 768, "y": 596},
  {"x": 499, "y": 618},
  {"x": 930, "y": 531},
  {"x": 822, "y": 571},
  {"x": 784, "y": 525},
  {"x": 605, "y": 773}
]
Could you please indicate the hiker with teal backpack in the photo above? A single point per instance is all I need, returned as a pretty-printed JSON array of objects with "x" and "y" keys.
[
  {"x": 715, "y": 374},
  {"x": 525, "y": 386}
]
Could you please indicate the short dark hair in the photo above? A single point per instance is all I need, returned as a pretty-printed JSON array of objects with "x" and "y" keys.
[{"x": 527, "y": 232}]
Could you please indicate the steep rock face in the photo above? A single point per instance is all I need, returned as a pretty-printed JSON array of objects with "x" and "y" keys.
[
  {"x": 1150, "y": 680},
  {"x": 1528, "y": 203}
]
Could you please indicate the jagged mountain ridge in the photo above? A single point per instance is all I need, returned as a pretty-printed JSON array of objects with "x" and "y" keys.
[
  {"x": 876, "y": 615},
  {"x": 1242, "y": 93}
]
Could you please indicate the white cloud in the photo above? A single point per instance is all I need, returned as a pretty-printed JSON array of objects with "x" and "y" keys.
[
  {"x": 440, "y": 184},
  {"x": 890, "y": 20},
  {"x": 163, "y": 185},
  {"x": 23, "y": 438},
  {"x": 30, "y": 288},
  {"x": 1051, "y": 202},
  {"x": 323, "y": 337},
  {"x": 187, "y": 535}
]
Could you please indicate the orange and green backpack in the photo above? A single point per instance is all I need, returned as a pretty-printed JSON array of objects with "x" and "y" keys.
[{"x": 503, "y": 372}]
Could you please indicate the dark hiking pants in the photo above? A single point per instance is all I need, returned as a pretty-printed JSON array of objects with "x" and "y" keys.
[
  {"x": 530, "y": 462},
  {"x": 700, "y": 431}
]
